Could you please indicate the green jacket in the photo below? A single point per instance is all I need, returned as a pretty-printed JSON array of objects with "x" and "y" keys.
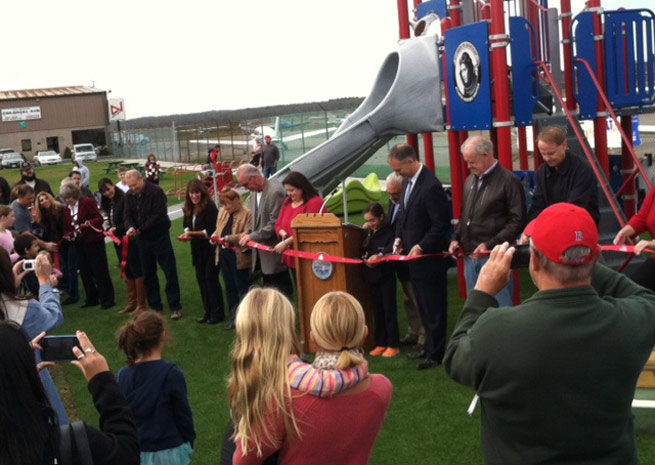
[{"x": 556, "y": 375}]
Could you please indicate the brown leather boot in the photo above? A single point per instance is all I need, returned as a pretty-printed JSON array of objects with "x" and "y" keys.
[
  {"x": 131, "y": 297},
  {"x": 139, "y": 285}
]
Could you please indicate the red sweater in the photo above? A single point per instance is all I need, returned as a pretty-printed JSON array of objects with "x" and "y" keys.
[
  {"x": 645, "y": 218},
  {"x": 286, "y": 216},
  {"x": 339, "y": 430}
]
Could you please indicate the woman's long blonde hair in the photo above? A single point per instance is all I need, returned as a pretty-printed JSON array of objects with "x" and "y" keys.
[
  {"x": 259, "y": 384},
  {"x": 338, "y": 324}
]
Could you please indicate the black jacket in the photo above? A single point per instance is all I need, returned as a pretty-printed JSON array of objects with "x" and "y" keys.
[
  {"x": 39, "y": 186},
  {"x": 493, "y": 214},
  {"x": 425, "y": 221},
  {"x": 201, "y": 249},
  {"x": 117, "y": 442},
  {"x": 147, "y": 212},
  {"x": 379, "y": 242},
  {"x": 574, "y": 183}
]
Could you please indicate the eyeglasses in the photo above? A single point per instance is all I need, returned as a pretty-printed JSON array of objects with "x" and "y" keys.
[{"x": 245, "y": 184}]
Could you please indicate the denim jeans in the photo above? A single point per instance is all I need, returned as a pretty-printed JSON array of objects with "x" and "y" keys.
[
  {"x": 236, "y": 281},
  {"x": 160, "y": 250},
  {"x": 472, "y": 267},
  {"x": 269, "y": 171}
]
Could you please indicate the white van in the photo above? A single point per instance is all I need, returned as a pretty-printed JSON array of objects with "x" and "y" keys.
[{"x": 84, "y": 152}]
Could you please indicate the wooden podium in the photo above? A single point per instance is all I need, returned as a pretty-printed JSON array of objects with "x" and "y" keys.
[{"x": 324, "y": 233}]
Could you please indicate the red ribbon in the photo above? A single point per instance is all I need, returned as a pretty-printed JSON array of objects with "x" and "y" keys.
[
  {"x": 125, "y": 243},
  {"x": 386, "y": 258}
]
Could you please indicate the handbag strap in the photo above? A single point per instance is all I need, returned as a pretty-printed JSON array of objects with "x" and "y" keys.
[
  {"x": 65, "y": 446},
  {"x": 82, "y": 442}
]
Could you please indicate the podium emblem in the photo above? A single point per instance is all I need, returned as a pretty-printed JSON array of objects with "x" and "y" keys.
[{"x": 322, "y": 270}]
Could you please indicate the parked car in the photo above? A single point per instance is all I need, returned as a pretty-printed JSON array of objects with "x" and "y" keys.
[
  {"x": 12, "y": 160},
  {"x": 84, "y": 152},
  {"x": 5, "y": 151},
  {"x": 46, "y": 157}
]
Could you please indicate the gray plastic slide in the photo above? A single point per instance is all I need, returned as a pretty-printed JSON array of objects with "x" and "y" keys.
[{"x": 406, "y": 99}]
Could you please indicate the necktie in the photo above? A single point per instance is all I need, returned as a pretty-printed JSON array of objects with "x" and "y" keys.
[
  {"x": 394, "y": 212},
  {"x": 408, "y": 191}
]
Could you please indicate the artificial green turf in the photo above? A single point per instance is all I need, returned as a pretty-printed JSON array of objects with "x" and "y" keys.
[{"x": 427, "y": 422}]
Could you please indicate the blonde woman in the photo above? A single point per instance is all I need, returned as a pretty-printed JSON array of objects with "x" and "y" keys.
[{"x": 272, "y": 417}]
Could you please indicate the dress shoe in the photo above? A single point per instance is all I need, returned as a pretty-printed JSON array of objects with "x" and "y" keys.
[
  {"x": 70, "y": 301},
  {"x": 213, "y": 322},
  {"x": 416, "y": 355},
  {"x": 427, "y": 364},
  {"x": 90, "y": 304},
  {"x": 176, "y": 315},
  {"x": 202, "y": 320},
  {"x": 408, "y": 340},
  {"x": 108, "y": 306}
]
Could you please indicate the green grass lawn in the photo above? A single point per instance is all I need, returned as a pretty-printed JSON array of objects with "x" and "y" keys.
[{"x": 427, "y": 422}]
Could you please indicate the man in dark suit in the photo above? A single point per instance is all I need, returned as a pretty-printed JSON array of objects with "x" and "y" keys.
[
  {"x": 415, "y": 331},
  {"x": 424, "y": 229}
]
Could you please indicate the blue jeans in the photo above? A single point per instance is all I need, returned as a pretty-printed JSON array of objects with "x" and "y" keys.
[
  {"x": 472, "y": 267},
  {"x": 269, "y": 171},
  {"x": 236, "y": 281},
  {"x": 160, "y": 250},
  {"x": 68, "y": 258}
]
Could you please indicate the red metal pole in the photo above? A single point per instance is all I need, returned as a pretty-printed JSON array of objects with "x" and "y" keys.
[
  {"x": 629, "y": 192},
  {"x": 536, "y": 155},
  {"x": 568, "y": 64},
  {"x": 523, "y": 149},
  {"x": 600, "y": 123},
  {"x": 499, "y": 42}
]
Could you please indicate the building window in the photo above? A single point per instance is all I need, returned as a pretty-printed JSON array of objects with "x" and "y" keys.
[{"x": 27, "y": 145}]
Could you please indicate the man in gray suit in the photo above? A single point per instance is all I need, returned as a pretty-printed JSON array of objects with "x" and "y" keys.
[{"x": 265, "y": 202}]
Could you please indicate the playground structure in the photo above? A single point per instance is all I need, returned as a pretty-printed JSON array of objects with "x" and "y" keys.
[
  {"x": 494, "y": 80},
  {"x": 215, "y": 177}
]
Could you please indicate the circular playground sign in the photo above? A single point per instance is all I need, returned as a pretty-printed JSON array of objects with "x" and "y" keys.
[{"x": 466, "y": 69}]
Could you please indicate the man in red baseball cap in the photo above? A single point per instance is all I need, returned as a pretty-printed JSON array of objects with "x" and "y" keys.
[{"x": 556, "y": 374}]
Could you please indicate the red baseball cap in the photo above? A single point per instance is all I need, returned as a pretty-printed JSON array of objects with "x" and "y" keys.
[{"x": 560, "y": 227}]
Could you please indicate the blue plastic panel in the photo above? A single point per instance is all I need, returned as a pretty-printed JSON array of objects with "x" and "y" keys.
[
  {"x": 469, "y": 89},
  {"x": 525, "y": 78},
  {"x": 582, "y": 41},
  {"x": 438, "y": 7},
  {"x": 629, "y": 58}
]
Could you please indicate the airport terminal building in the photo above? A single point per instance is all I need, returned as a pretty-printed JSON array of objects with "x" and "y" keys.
[{"x": 53, "y": 119}]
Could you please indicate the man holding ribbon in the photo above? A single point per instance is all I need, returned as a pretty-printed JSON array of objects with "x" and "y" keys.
[
  {"x": 423, "y": 228},
  {"x": 493, "y": 211},
  {"x": 265, "y": 201},
  {"x": 557, "y": 374}
]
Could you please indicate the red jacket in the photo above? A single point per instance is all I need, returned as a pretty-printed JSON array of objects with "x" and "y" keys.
[
  {"x": 644, "y": 220},
  {"x": 87, "y": 211}
]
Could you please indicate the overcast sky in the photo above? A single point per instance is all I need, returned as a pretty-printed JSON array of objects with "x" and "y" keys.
[{"x": 204, "y": 54}]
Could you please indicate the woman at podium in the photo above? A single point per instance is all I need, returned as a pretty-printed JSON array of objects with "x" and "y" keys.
[{"x": 302, "y": 197}]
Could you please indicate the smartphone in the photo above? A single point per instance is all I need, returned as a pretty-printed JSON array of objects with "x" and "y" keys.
[
  {"x": 59, "y": 348},
  {"x": 29, "y": 265},
  {"x": 521, "y": 258}
]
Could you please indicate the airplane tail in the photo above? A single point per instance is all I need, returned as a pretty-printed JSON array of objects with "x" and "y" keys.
[{"x": 405, "y": 99}]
